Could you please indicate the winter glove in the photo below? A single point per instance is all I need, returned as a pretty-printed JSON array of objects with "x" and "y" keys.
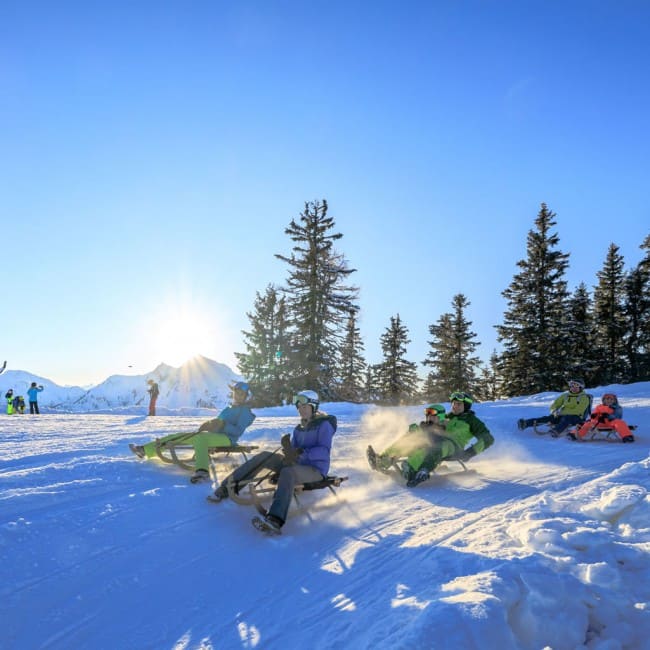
[
  {"x": 413, "y": 427},
  {"x": 291, "y": 454},
  {"x": 212, "y": 426}
]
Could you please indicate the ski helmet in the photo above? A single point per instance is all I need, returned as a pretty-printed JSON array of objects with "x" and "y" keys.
[
  {"x": 435, "y": 409},
  {"x": 307, "y": 397},
  {"x": 242, "y": 386},
  {"x": 610, "y": 396},
  {"x": 460, "y": 396}
]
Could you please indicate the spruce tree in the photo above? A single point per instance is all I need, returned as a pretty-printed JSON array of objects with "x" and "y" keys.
[
  {"x": 489, "y": 382},
  {"x": 352, "y": 364},
  {"x": 534, "y": 333},
  {"x": 609, "y": 319},
  {"x": 318, "y": 299},
  {"x": 263, "y": 362},
  {"x": 397, "y": 377},
  {"x": 582, "y": 361},
  {"x": 452, "y": 350},
  {"x": 637, "y": 313}
]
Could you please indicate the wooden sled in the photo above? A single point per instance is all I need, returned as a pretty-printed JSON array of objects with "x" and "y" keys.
[
  {"x": 182, "y": 454},
  {"x": 252, "y": 491}
]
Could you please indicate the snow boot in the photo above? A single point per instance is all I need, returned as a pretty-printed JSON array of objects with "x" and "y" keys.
[
  {"x": 219, "y": 495},
  {"x": 521, "y": 424},
  {"x": 199, "y": 476},
  {"x": 629, "y": 438},
  {"x": 421, "y": 476},
  {"x": 270, "y": 525},
  {"x": 571, "y": 435},
  {"x": 406, "y": 471},
  {"x": 138, "y": 450},
  {"x": 372, "y": 457}
]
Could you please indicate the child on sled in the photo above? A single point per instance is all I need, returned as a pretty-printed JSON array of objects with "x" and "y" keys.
[{"x": 607, "y": 415}]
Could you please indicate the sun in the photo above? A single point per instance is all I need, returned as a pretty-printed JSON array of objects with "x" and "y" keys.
[{"x": 180, "y": 335}]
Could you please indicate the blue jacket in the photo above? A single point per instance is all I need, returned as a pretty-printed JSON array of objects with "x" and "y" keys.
[
  {"x": 315, "y": 440},
  {"x": 33, "y": 393},
  {"x": 235, "y": 420}
]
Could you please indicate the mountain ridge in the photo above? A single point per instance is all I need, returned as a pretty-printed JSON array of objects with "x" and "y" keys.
[{"x": 198, "y": 384}]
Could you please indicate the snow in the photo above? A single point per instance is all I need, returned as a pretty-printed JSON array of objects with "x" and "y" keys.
[{"x": 543, "y": 543}]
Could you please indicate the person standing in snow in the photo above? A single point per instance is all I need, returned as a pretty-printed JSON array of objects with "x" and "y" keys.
[
  {"x": 222, "y": 431},
  {"x": 568, "y": 409},
  {"x": 153, "y": 391},
  {"x": 9, "y": 396},
  {"x": 305, "y": 458},
  {"x": 32, "y": 394}
]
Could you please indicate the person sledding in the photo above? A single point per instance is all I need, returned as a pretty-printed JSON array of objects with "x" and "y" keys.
[
  {"x": 222, "y": 431},
  {"x": 569, "y": 409},
  {"x": 304, "y": 457},
  {"x": 438, "y": 439},
  {"x": 606, "y": 416}
]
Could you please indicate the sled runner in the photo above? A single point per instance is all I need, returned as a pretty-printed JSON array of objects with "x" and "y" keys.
[
  {"x": 600, "y": 434},
  {"x": 182, "y": 454},
  {"x": 253, "y": 491}
]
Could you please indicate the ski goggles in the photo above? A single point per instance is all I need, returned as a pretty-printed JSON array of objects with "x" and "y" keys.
[
  {"x": 459, "y": 397},
  {"x": 433, "y": 411},
  {"x": 301, "y": 400}
]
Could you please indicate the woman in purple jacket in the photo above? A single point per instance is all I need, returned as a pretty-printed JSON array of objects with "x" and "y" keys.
[{"x": 305, "y": 458}]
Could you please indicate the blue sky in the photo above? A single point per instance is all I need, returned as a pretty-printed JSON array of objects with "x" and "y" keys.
[{"x": 152, "y": 154}]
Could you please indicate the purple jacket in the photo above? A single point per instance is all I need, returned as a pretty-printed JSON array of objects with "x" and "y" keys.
[{"x": 315, "y": 440}]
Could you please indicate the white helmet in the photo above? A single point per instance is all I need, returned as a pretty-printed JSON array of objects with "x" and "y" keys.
[{"x": 307, "y": 397}]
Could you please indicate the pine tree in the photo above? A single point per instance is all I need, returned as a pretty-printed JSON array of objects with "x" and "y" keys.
[
  {"x": 489, "y": 383},
  {"x": 609, "y": 319},
  {"x": 534, "y": 333},
  {"x": 352, "y": 364},
  {"x": 582, "y": 361},
  {"x": 262, "y": 364},
  {"x": 637, "y": 313},
  {"x": 318, "y": 299},
  {"x": 396, "y": 377},
  {"x": 452, "y": 350}
]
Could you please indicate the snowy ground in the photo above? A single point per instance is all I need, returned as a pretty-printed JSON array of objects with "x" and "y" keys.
[{"x": 544, "y": 543}]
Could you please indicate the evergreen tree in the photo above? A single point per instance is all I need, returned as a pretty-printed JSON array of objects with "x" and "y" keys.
[
  {"x": 637, "y": 313},
  {"x": 397, "y": 378},
  {"x": 582, "y": 360},
  {"x": 609, "y": 319},
  {"x": 452, "y": 350},
  {"x": 318, "y": 299},
  {"x": 263, "y": 362},
  {"x": 352, "y": 364},
  {"x": 489, "y": 383},
  {"x": 534, "y": 333}
]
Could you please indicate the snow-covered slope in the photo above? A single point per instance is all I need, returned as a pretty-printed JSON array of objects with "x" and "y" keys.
[
  {"x": 544, "y": 543},
  {"x": 198, "y": 384}
]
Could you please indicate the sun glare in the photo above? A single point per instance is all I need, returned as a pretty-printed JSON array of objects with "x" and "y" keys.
[{"x": 180, "y": 337}]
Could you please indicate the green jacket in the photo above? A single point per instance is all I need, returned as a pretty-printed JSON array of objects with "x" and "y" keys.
[
  {"x": 462, "y": 428},
  {"x": 572, "y": 404}
]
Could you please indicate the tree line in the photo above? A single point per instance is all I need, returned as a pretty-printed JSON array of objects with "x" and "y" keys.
[{"x": 305, "y": 334}]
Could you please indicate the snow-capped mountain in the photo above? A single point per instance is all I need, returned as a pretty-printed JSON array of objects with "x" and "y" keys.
[{"x": 198, "y": 384}]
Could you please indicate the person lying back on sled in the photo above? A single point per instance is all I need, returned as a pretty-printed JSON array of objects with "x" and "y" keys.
[
  {"x": 414, "y": 444},
  {"x": 461, "y": 426},
  {"x": 567, "y": 410},
  {"x": 223, "y": 431},
  {"x": 305, "y": 458},
  {"x": 607, "y": 415}
]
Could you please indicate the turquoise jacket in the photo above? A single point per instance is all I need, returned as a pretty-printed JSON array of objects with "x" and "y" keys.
[{"x": 235, "y": 421}]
